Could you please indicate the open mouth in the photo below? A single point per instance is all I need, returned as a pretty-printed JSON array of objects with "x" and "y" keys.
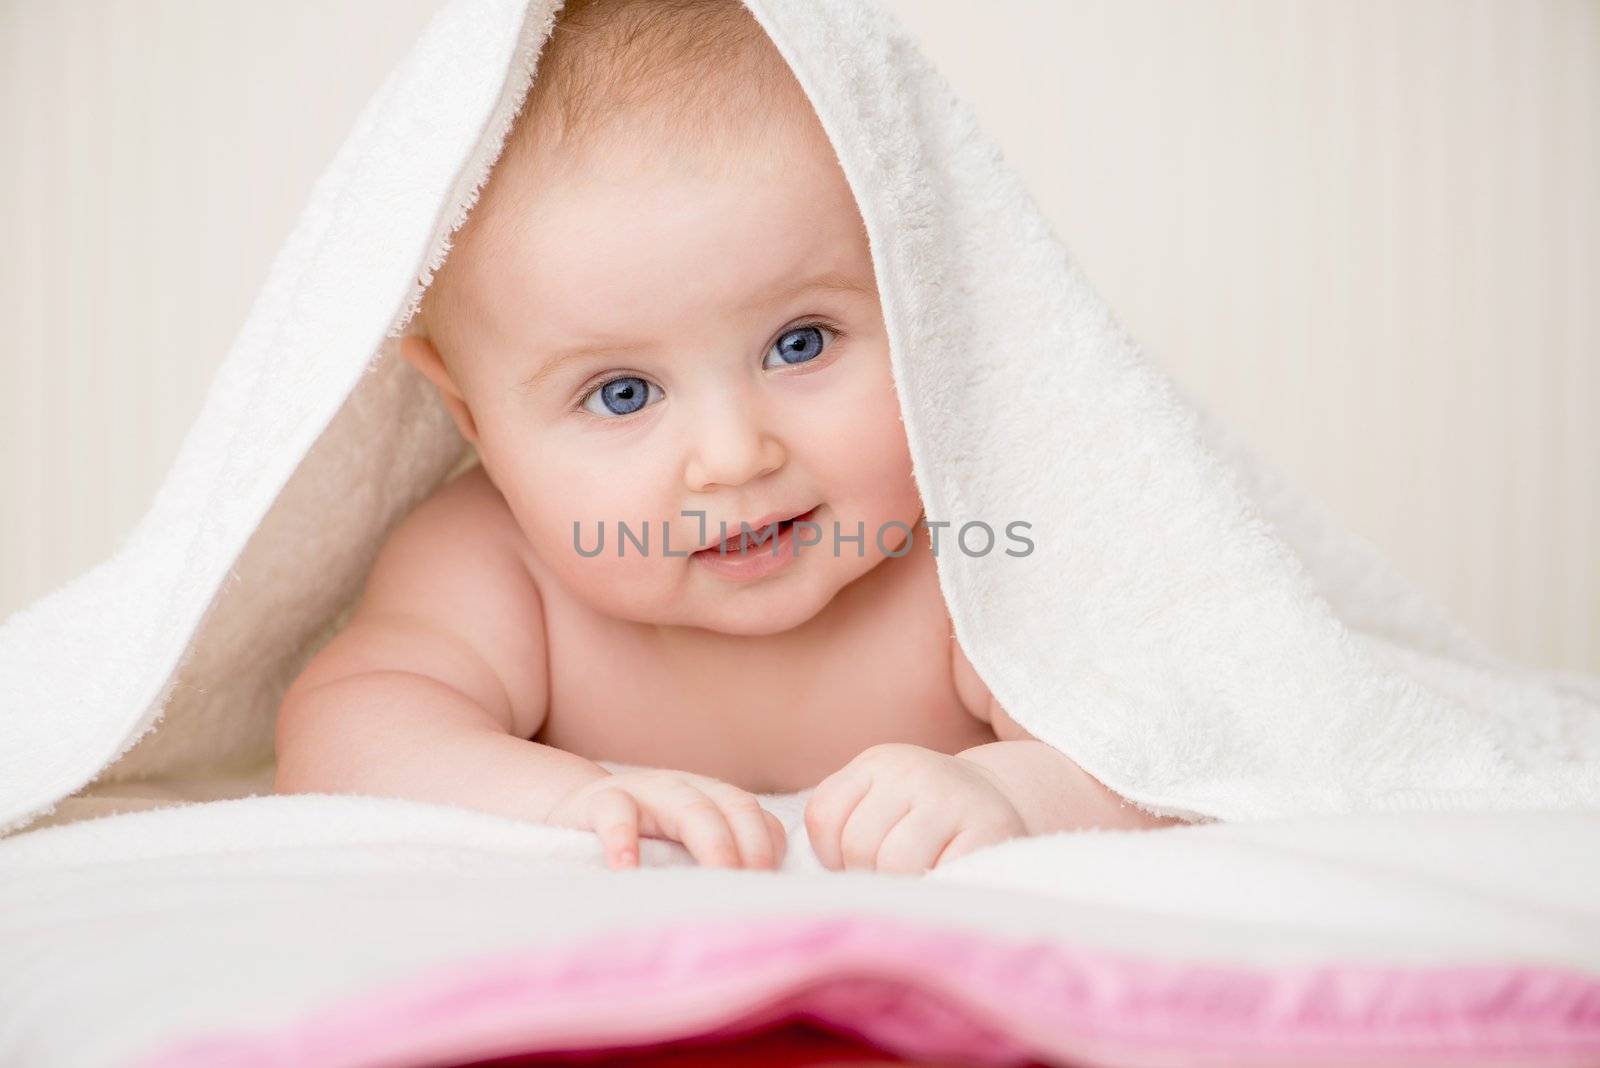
[{"x": 756, "y": 537}]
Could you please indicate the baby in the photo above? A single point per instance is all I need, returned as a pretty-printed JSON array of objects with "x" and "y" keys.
[{"x": 661, "y": 317}]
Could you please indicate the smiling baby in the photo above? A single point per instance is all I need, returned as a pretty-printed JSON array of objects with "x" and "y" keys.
[{"x": 693, "y": 543}]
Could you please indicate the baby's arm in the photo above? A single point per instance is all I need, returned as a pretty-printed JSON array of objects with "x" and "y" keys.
[
  {"x": 436, "y": 685},
  {"x": 433, "y": 688},
  {"x": 1048, "y": 789},
  {"x": 904, "y": 808}
]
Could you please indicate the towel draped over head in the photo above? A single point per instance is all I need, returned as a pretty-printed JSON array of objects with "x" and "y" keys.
[{"x": 1195, "y": 633}]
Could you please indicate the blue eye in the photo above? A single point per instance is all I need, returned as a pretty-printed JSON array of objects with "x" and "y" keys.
[
  {"x": 800, "y": 345},
  {"x": 620, "y": 396}
]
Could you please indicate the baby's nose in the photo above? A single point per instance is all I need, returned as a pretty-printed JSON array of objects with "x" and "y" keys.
[{"x": 730, "y": 448}]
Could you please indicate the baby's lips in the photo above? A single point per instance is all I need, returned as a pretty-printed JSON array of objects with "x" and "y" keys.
[{"x": 760, "y": 532}]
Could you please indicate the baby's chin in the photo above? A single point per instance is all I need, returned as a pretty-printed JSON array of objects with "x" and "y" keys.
[
  {"x": 751, "y": 608},
  {"x": 773, "y": 604},
  {"x": 752, "y": 614}
]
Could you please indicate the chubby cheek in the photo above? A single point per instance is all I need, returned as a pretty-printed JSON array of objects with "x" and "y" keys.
[
  {"x": 862, "y": 445},
  {"x": 571, "y": 503},
  {"x": 631, "y": 587}
]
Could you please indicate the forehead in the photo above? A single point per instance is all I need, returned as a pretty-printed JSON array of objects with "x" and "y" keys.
[{"x": 633, "y": 233}]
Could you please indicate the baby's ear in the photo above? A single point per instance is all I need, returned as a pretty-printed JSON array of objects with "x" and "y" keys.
[{"x": 420, "y": 353}]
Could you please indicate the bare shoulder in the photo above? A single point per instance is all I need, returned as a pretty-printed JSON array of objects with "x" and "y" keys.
[
  {"x": 973, "y": 692},
  {"x": 450, "y": 596},
  {"x": 977, "y": 699},
  {"x": 969, "y": 687},
  {"x": 919, "y": 609}
]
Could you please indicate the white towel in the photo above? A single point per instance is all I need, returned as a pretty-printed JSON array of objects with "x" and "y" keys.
[{"x": 1190, "y": 630}]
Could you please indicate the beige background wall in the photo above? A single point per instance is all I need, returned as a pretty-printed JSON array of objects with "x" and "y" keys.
[{"x": 1368, "y": 233}]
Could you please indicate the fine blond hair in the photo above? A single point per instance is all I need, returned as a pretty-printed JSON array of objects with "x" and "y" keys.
[{"x": 698, "y": 78}]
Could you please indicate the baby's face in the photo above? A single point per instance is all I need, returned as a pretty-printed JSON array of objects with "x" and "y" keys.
[{"x": 648, "y": 338}]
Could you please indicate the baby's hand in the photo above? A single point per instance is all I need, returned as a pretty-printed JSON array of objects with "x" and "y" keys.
[
  {"x": 903, "y": 809},
  {"x": 720, "y": 824}
]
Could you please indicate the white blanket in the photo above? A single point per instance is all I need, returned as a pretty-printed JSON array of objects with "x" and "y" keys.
[
  {"x": 1189, "y": 629},
  {"x": 249, "y": 915}
]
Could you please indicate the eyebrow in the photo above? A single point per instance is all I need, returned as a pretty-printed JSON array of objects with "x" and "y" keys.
[
  {"x": 551, "y": 366},
  {"x": 835, "y": 281},
  {"x": 838, "y": 281}
]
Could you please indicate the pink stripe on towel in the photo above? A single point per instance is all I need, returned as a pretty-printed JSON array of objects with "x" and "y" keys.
[{"x": 924, "y": 991}]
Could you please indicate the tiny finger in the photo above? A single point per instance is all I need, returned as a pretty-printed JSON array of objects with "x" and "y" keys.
[
  {"x": 960, "y": 844},
  {"x": 869, "y": 821},
  {"x": 912, "y": 844},
  {"x": 780, "y": 837},
  {"x": 614, "y": 814},
  {"x": 830, "y": 806},
  {"x": 698, "y": 822},
  {"x": 750, "y": 831}
]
